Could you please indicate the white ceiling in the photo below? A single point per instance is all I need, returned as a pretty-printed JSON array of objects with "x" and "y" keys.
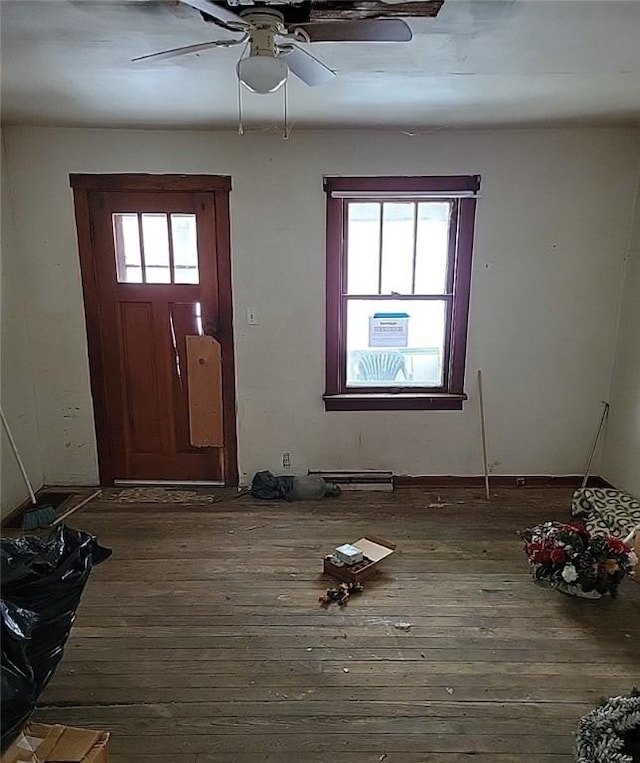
[{"x": 503, "y": 62}]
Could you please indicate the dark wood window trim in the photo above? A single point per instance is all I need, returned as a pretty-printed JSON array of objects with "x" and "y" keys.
[
  {"x": 461, "y": 190},
  {"x": 82, "y": 186},
  {"x": 144, "y": 182}
]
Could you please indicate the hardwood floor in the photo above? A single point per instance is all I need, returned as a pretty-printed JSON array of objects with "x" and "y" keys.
[{"x": 201, "y": 640}]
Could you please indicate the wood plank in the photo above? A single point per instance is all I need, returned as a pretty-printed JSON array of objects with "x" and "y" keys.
[
  {"x": 326, "y": 708},
  {"x": 345, "y": 741},
  {"x": 204, "y": 374},
  {"x": 125, "y": 693}
]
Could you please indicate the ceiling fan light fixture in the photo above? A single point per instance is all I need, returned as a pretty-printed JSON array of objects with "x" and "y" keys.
[{"x": 262, "y": 74}]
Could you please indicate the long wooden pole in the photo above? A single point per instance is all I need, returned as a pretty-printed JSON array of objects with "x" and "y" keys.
[
  {"x": 73, "y": 509},
  {"x": 592, "y": 452},
  {"x": 483, "y": 427},
  {"x": 16, "y": 453}
]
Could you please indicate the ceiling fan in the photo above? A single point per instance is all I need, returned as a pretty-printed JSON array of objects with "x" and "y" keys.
[{"x": 273, "y": 36}]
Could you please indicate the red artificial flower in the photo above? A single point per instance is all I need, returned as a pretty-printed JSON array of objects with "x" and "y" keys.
[
  {"x": 617, "y": 546},
  {"x": 558, "y": 556}
]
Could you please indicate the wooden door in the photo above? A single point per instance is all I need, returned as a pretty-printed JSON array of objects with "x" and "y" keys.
[{"x": 156, "y": 270}]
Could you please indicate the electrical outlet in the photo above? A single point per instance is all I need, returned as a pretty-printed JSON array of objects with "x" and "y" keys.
[
  {"x": 286, "y": 460},
  {"x": 252, "y": 317}
]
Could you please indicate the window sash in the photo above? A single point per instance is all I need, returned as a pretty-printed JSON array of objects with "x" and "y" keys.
[
  {"x": 359, "y": 388},
  {"x": 456, "y": 296},
  {"x": 453, "y": 203}
]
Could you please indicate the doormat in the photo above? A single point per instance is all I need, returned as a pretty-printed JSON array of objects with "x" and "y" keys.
[{"x": 158, "y": 495}]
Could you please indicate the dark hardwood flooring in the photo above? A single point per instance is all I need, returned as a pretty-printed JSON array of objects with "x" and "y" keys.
[{"x": 201, "y": 640}]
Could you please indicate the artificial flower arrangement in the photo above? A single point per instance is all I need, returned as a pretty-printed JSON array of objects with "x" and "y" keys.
[{"x": 574, "y": 561}]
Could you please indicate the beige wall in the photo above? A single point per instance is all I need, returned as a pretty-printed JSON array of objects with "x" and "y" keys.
[
  {"x": 622, "y": 447},
  {"x": 16, "y": 370},
  {"x": 551, "y": 238}
]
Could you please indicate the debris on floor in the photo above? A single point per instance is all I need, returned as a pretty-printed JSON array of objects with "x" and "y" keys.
[
  {"x": 571, "y": 560},
  {"x": 611, "y": 732},
  {"x": 607, "y": 511},
  {"x": 357, "y": 561},
  {"x": 159, "y": 495},
  {"x": 341, "y": 594},
  {"x": 42, "y": 582},
  {"x": 268, "y": 487},
  {"x": 42, "y": 743},
  {"x": 402, "y": 626}
]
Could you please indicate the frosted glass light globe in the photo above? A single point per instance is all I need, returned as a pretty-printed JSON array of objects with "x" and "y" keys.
[{"x": 262, "y": 74}]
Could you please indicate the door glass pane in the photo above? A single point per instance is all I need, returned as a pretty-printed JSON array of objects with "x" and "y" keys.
[
  {"x": 363, "y": 248},
  {"x": 398, "y": 229},
  {"x": 126, "y": 238},
  {"x": 395, "y": 343},
  {"x": 432, "y": 247},
  {"x": 185, "y": 249},
  {"x": 155, "y": 236}
]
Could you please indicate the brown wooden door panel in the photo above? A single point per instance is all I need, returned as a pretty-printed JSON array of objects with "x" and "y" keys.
[
  {"x": 138, "y": 354},
  {"x": 141, "y": 378}
]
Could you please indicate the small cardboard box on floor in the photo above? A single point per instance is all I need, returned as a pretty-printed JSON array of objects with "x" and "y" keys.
[
  {"x": 374, "y": 551},
  {"x": 43, "y": 743}
]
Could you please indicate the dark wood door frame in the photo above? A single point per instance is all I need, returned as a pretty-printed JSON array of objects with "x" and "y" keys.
[{"x": 219, "y": 186}]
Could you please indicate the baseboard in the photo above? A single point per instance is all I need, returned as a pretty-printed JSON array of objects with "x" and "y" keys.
[
  {"x": 10, "y": 519},
  {"x": 14, "y": 514},
  {"x": 428, "y": 481}
]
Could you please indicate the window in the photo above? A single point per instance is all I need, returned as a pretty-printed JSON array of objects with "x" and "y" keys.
[
  {"x": 398, "y": 279},
  {"x": 146, "y": 253}
]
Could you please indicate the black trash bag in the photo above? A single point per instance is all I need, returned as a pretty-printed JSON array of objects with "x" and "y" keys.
[
  {"x": 268, "y": 487},
  {"x": 17, "y": 686},
  {"x": 42, "y": 581}
]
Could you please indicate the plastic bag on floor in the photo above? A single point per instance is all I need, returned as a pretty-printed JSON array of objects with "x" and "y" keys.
[
  {"x": 42, "y": 581},
  {"x": 269, "y": 487},
  {"x": 18, "y": 691},
  {"x": 306, "y": 488}
]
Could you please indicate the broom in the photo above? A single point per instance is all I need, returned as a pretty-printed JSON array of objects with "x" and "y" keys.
[{"x": 39, "y": 514}]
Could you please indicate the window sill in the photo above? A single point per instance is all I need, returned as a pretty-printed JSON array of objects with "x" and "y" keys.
[{"x": 417, "y": 401}]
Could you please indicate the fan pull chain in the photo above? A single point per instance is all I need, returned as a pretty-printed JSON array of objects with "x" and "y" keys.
[
  {"x": 240, "y": 122},
  {"x": 287, "y": 131}
]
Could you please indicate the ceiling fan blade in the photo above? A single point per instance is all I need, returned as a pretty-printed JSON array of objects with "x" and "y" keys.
[
  {"x": 214, "y": 10},
  {"x": 365, "y": 30},
  {"x": 186, "y": 49},
  {"x": 305, "y": 66}
]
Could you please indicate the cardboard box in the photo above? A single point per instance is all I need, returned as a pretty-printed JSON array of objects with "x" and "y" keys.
[
  {"x": 374, "y": 551},
  {"x": 44, "y": 743}
]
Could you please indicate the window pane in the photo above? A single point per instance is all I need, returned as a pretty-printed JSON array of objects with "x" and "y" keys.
[
  {"x": 395, "y": 343},
  {"x": 397, "y": 247},
  {"x": 363, "y": 248},
  {"x": 126, "y": 240},
  {"x": 155, "y": 236},
  {"x": 132, "y": 275},
  {"x": 185, "y": 249},
  {"x": 432, "y": 247}
]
